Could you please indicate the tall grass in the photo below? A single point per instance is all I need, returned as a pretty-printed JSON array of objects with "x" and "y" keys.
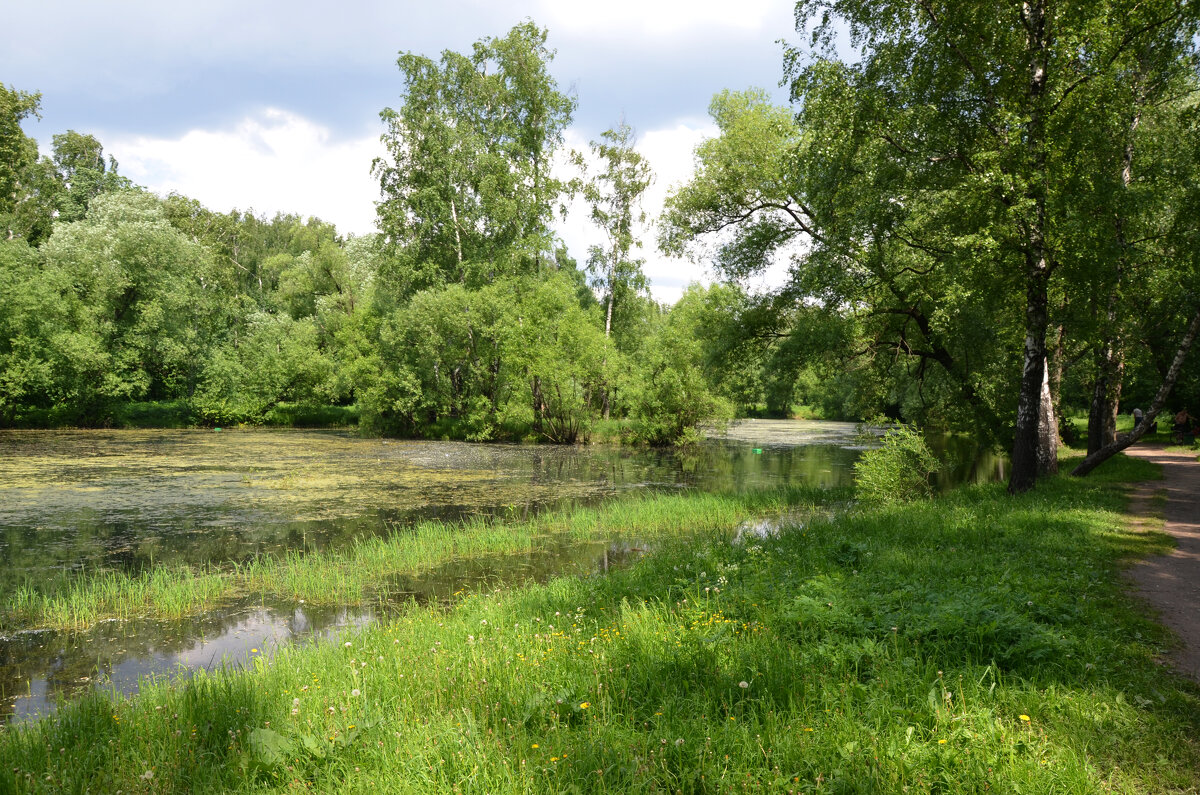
[
  {"x": 362, "y": 572},
  {"x": 972, "y": 643}
]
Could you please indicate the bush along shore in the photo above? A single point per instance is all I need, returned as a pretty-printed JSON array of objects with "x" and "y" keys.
[{"x": 974, "y": 642}]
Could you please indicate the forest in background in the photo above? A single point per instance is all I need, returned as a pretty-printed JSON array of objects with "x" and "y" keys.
[{"x": 988, "y": 227}]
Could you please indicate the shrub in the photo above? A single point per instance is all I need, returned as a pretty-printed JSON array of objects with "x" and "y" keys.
[{"x": 900, "y": 470}]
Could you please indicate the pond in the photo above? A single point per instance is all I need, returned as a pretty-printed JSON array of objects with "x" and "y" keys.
[{"x": 82, "y": 501}]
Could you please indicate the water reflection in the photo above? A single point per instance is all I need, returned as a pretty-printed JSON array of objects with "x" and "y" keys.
[
  {"x": 128, "y": 500},
  {"x": 41, "y": 669}
]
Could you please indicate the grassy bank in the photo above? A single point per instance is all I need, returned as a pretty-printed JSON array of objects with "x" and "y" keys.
[
  {"x": 364, "y": 571},
  {"x": 184, "y": 414},
  {"x": 978, "y": 643}
]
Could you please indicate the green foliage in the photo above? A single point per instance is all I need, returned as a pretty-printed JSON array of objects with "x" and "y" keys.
[
  {"x": 82, "y": 174},
  {"x": 900, "y": 470},
  {"x": 141, "y": 301},
  {"x": 17, "y": 150},
  {"x": 614, "y": 196},
  {"x": 465, "y": 318},
  {"x": 670, "y": 395},
  {"x": 520, "y": 356},
  {"x": 468, "y": 187}
]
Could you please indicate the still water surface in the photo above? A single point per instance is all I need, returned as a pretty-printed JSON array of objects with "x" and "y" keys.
[{"x": 80, "y": 501}]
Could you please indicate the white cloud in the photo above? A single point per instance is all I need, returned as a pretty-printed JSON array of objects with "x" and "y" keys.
[
  {"x": 658, "y": 18},
  {"x": 273, "y": 161}
]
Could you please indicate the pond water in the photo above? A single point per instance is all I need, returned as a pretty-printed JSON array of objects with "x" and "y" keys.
[{"x": 81, "y": 501}]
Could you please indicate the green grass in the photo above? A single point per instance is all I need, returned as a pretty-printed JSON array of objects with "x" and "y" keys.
[
  {"x": 362, "y": 572},
  {"x": 1162, "y": 436},
  {"x": 975, "y": 643}
]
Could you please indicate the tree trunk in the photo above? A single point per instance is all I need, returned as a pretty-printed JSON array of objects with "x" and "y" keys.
[
  {"x": 457, "y": 241},
  {"x": 1037, "y": 261},
  {"x": 1164, "y": 391},
  {"x": 1097, "y": 411},
  {"x": 607, "y": 333},
  {"x": 1056, "y": 365},
  {"x": 539, "y": 404},
  {"x": 1047, "y": 429},
  {"x": 1113, "y": 400},
  {"x": 1025, "y": 457},
  {"x": 608, "y": 312}
]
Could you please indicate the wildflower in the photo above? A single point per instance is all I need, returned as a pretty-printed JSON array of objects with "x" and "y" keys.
[
  {"x": 149, "y": 774},
  {"x": 254, "y": 651},
  {"x": 295, "y": 702},
  {"x": 354, "y": 692},
  {"x": 347, "y": 644},
  {"x": 679, "y": 741},
  {"x": 535, "y": 745},
  {"x": 584, "y": 705},
  {"x": 1024, "y": 718},
  {"x": 941, "y": 742},
  {"x": 743, "y": 684}
]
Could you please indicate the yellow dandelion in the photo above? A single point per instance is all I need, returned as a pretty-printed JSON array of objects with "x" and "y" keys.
[
  {"x": 584, "y": 705},
  {"x": 535, "y": 745},
  {"x": 1024, "y": 718},
  {"x": 941, "y": 742}
]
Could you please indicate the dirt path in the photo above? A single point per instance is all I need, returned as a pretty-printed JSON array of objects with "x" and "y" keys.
[{"x": 1171, "y": 583}]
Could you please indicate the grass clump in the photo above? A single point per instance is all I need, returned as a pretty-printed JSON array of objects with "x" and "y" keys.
[{"x": 974, "y": 642}]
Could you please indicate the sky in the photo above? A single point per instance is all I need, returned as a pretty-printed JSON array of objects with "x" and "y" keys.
[{"x": 274, "y": 106}]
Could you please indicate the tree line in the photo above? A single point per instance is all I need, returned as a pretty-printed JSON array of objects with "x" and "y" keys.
[
  {"x": 465, "y": 316},
  {"x": 987, "y": 217}
]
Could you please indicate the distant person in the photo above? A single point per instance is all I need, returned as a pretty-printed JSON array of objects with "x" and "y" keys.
[
  {"x": 1137, "y": 417},
  {"x": 1181, "y": 424}
]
